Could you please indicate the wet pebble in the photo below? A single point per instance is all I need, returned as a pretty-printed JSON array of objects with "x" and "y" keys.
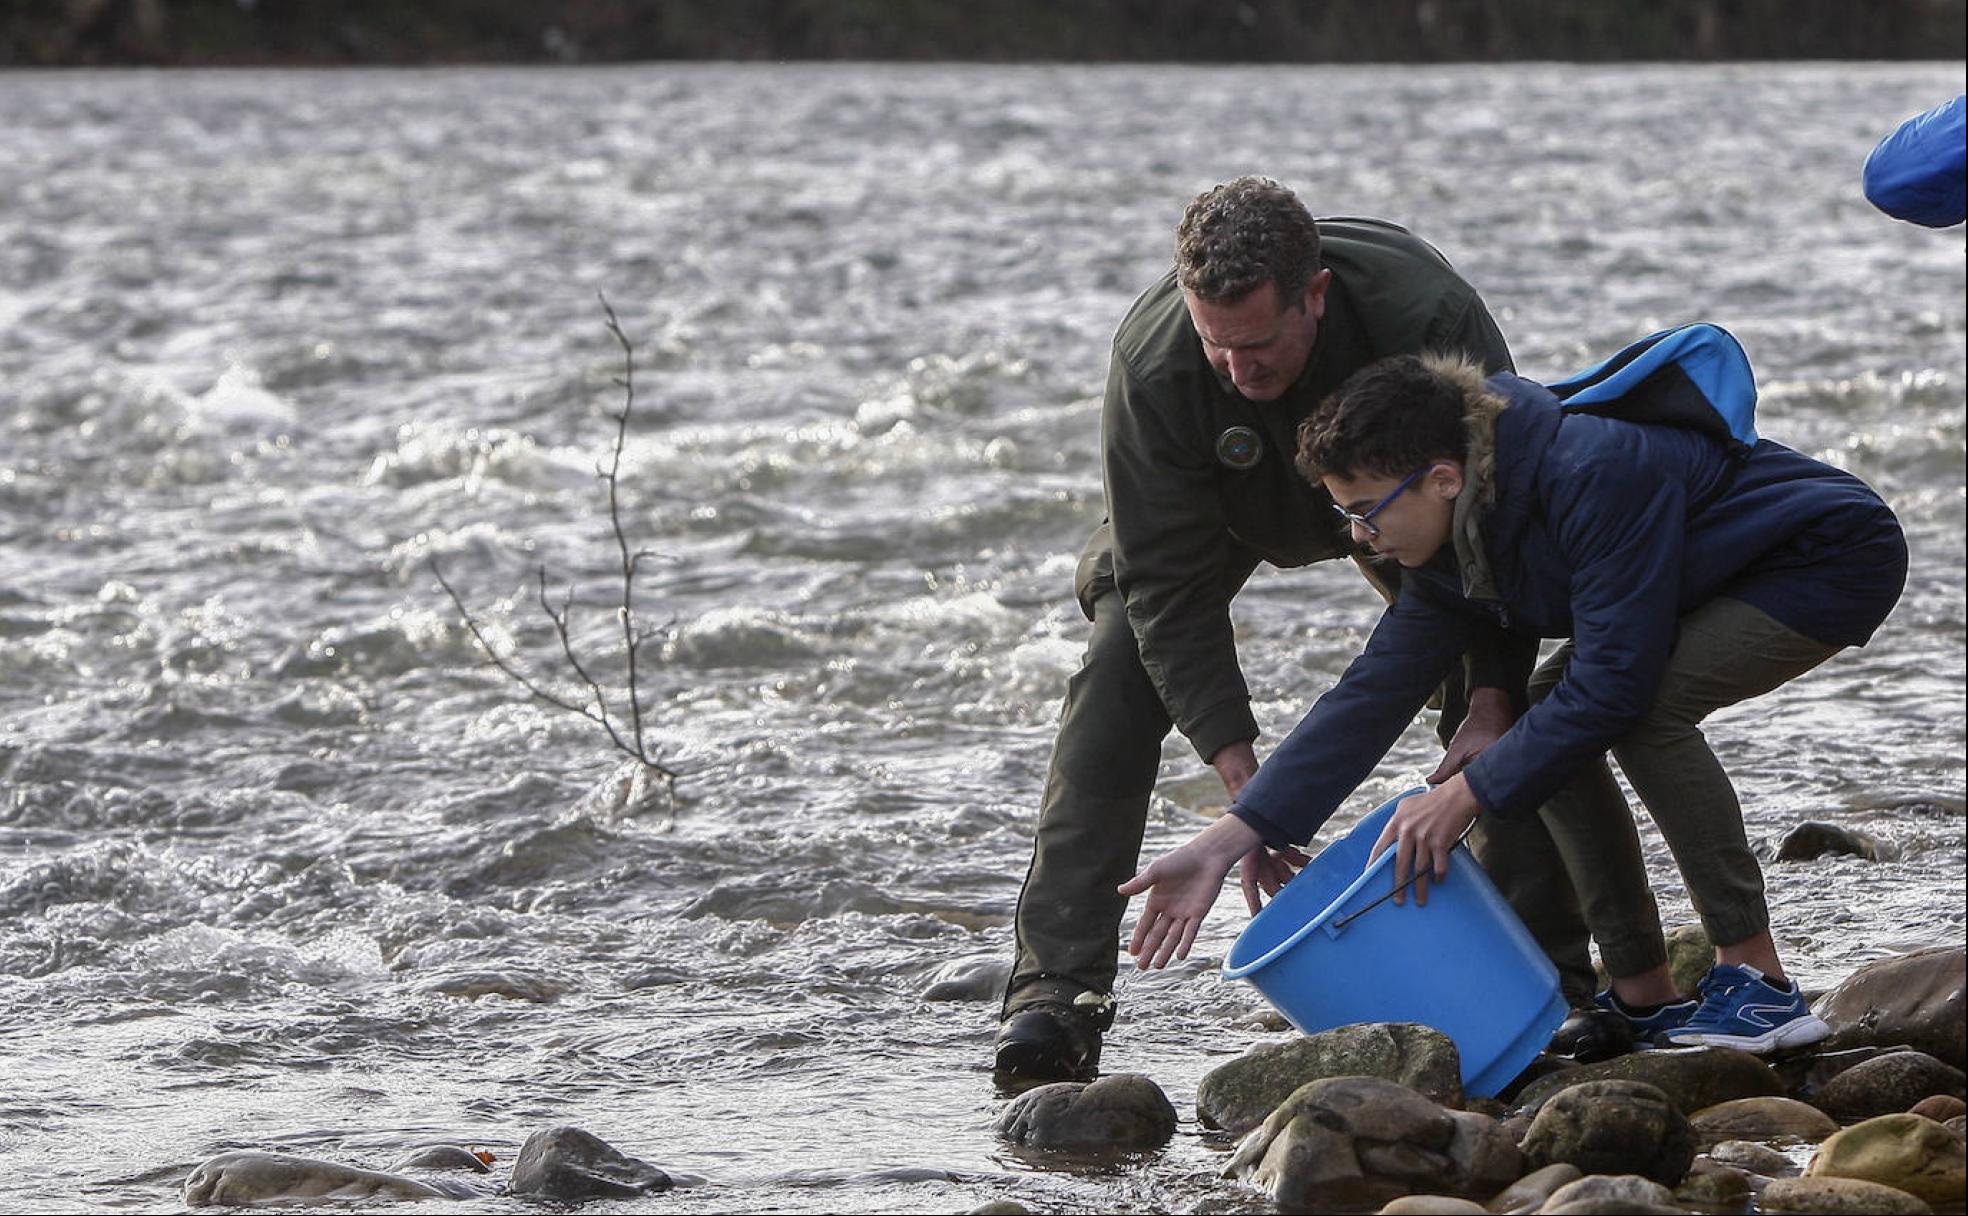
[
  {"x": 1838, "y": 1197},
  {"x": 1433, "y": 1205},
  {"x": 1239, "y": 1095},
  {"x": 1529, "y": 1193},
  {"x": 1888, "y": 1084},
  {"x": 244, "y": 1178},
  {"x": 1911, "y": 1152},
  {"x": 1122, "y": 1111},
  {"x": 1941, "y": 1108},
  {"x": 1631, "y": 1191},
  {"x": 442, "y": 1157},
  {"x": 1917, "y": 1000},
  {"x": 1693, "y": 1078},
  {"x": 1811, "y": 840},
  {"x": 1759, "y": 1159},
  {"x": 969, "y": 979},
  {"x": 1764, "y": 1118},
  {"x": 1359, "y": 1141},
  {"x": 1711, "y": 1184},
  {"x": 1613, "y": 1127},
  {"x": 568, "y": 1165}
]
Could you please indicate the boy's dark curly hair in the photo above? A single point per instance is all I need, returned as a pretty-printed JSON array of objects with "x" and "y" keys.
[{"x": 1387, "y": 420}]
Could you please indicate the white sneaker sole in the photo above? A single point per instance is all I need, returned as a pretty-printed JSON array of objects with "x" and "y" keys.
[{"x": 1798, "y": 1032}]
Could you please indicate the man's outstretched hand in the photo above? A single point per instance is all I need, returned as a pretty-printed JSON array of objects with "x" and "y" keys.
[{"x": 1182, "y": 886}]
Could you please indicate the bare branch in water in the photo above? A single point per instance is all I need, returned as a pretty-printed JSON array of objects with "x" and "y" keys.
[
  {"x": 559, "y": 620},
  {"x": 631, "y": 638},
  {"x": 632, "y": 635}
]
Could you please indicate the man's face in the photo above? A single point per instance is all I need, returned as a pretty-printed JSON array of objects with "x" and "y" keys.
[
  {"x": 1406, "y": 525},
  {"x": 1258, "y": 342}
]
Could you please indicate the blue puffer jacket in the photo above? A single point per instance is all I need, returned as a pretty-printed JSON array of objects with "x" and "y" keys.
[
  {"x": 1605, "y": 532},
  {"x": 1920, "y": 171}
]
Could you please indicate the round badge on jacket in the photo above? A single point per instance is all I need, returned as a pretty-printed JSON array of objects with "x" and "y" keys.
[{"x": 1239, "y": 447}]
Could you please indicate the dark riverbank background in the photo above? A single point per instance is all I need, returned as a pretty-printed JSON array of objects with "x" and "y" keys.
[{"x": 51, "y": 33}]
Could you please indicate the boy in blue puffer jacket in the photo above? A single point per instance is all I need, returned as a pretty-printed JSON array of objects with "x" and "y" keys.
[{"x": 1687, "y": 571}]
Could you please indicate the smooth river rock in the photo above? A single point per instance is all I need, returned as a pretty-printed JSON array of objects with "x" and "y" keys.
[
  {"x": 1693, "y": 1078},
  {"x": 1767, "y": 1119},
  {"x": 969, "y": 979},
  {"x": 1124, "y": 1111},
  {"x": 1357, "y": 1142},
  {"x": 1940, "y": 1107},
  {"x": 1804, "y": 1076},
  {"x": 1528, "y": 1193},
  {"x": 1630, "y": 1192},
  {"x": 1813, "y": 839},
  {"x": 1918, "y": 999},
  {"x": 1907, "y": 1151},
  {"x": 567, "y": 1165},
  {"x": 244, "y": 1178},
  {"x": 1757, "y": 1158},
  {"x": 442, "y": 1157},
  {"x": 1613, "y": 1127},
  {"x": 1433, "y": 1205},
  {"x": 1838, "y": 1197},
  {"x": 1889, "y": 1084},
  {"x": 1711, "y": 1184},
  {"x": 1241, "y": 1094}
]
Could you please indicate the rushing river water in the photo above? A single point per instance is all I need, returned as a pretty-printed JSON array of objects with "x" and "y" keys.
[{"x": 282, "y": 865}]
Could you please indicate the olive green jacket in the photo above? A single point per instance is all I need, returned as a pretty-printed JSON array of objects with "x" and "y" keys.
[{"x": 1183, "y": 525}]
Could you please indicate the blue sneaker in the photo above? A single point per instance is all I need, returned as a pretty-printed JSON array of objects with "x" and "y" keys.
[
  {"x": 1740, "y": 1009},
  {"x": 1646, "y": 1026}
]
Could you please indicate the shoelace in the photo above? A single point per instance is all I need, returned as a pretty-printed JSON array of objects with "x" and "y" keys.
[{"x": 1715, "y": 993}]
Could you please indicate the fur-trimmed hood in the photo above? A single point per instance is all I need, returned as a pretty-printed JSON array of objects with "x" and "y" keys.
[{"x": 1481, "y": 406}]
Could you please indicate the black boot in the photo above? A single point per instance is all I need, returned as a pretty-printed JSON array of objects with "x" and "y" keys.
[
  {"x": 1052, "y": 1041},
  {"x": 1591, "y": 1034}
]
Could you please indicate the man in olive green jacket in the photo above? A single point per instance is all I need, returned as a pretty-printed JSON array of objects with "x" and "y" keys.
[{"x": 1264, "y": 314}]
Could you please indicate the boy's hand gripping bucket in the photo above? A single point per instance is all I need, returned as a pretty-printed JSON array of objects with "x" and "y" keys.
[{"x": 1325, "y": 956}]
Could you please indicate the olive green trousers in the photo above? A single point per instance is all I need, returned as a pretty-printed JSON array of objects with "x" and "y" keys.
[{"x": 1725, "y": 651}]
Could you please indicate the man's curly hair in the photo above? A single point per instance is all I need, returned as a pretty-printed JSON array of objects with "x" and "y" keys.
[{"x": 1237, "y": 236}]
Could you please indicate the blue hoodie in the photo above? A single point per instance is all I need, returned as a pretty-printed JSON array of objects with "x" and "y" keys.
[
  {"x": 1919, "y": 172},
  {"x": 1606, "y": 532}
]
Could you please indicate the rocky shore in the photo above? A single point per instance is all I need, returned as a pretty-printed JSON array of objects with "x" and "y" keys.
[{"x": 1372, "y": 1118}]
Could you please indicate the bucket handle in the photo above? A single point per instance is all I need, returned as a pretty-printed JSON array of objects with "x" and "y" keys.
[{"x": 1332, "y": 927}]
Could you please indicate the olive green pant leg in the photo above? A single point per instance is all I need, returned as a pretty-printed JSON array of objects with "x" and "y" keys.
[
  {"x": 1091, "y": 819},
  {"x": 1095, "y": 807},
  {"x": 1727, "y": 651},
  {"x": 1594, "y": 840},
  {"x": 1533, "y": 875}
]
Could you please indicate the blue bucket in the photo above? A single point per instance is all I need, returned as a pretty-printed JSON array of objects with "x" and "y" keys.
[{"x": 1464, "y": 964}]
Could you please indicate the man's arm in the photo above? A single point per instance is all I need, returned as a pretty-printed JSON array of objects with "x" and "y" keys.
[{"x": 1170, "y": 552}]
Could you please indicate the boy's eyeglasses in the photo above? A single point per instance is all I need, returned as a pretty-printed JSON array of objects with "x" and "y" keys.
[{"x": 1365, "y": 518}]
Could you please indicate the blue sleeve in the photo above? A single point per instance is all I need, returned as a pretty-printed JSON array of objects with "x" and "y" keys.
[
  {"x": 1417, "y": 643},
  {"x": 1620, "y": 521},
  {"x": 1918, "y": 172}
]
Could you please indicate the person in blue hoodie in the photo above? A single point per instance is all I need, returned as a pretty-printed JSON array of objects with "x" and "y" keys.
[
  {"x": 1919, "y": 172},
  {"x": 1687, "y": 568}
]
